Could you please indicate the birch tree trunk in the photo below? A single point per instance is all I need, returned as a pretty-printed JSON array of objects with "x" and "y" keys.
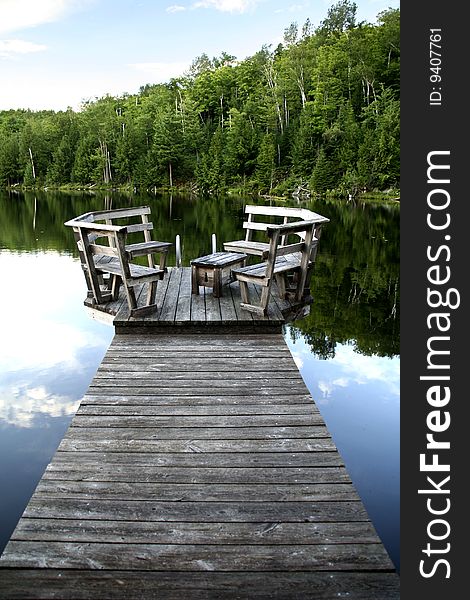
[{"x": 32, "y": 162}]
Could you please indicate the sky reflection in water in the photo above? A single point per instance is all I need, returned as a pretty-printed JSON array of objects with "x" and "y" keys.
[
  {"x": 358, "y": 396},
  {"x": 50, "y": 350}
]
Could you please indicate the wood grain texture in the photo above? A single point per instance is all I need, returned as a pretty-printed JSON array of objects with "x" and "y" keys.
[
  {"x": 202, "y": 585},
  {"x": 199, "y": 469}
]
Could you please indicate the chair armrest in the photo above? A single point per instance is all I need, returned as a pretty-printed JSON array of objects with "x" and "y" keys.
[{"x": 96, "y": 226}]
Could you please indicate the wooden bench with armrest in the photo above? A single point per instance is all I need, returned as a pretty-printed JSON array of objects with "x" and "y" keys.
[
  {"x": 115, "y": 257},
  {"x": 281, "y": 260},
  {"x": 283, "y": 215}
]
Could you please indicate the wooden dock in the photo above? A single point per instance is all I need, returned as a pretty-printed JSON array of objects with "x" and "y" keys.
[
  {"x": 197, "y": 466},
  {"x": 181, "y": 310}
]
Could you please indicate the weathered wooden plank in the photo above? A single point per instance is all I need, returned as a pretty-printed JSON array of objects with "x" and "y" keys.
[
  {"x": 228, "y": 348},
  {"x": 212, "y": 306},
  {"x": 198, "y": 307},
  {"x": 198, "y": 445},
  {"x": 106, "y": 371},
  {"x": 219, "y": 259},
  {"x": 223, "y": 342},
  {"x": 173, "y": 492},
  {"x": 228, "y": 313},
  {"x": 206, "y": 364},
  {"x": 201, "y": 475},
  {"x": 185, "y": 387},
  {"x": 196, "y": 459},
  {"x": 85, "y": 584},
  {"x": 195, "y": 341},
  {"x": 135, "y": 532},
  {"x": 183, "y": 309},
  {"x": 204, "y": 410},
  {"x": 170, "y": 303},
  {"x": 181, "y": 392},
  {"x": 101, "y": 431},
  {"x": 204, "y": 421},
  {"x": 162, "y": 557},
  {"x": 148, "y": 511},
  {"x": 145, "y": 398},
  {"x": 229, "y": 354},
  {"x": 215, "y": 328}
]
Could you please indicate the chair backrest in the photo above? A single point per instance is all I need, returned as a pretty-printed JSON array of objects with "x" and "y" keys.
[
  {"x": 283, "y": 215},
  {"x": 304, "y": 229},
  {"x": 100, "y": 224}
]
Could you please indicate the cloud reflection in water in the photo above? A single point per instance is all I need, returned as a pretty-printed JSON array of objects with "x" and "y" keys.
[{"x": 49, "y": 345}]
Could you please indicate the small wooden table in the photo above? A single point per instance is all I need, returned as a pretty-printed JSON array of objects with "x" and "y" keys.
[{"x": 214, "y": 270}]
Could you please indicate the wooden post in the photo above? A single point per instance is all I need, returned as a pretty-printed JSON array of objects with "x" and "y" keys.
[{"x": 178, "y": 250}]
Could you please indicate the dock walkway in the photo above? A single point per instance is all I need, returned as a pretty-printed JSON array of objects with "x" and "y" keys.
[{"x": 197, "y": 467}]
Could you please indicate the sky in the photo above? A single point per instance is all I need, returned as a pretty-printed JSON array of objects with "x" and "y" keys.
[{"x": 59, "y": 53}]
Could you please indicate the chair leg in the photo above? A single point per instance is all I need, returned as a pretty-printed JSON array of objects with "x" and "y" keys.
[
  {"x": 281, "y": 285},
  {"x": 162, "y": 263},
  {"x": 262, "y": 307},
  {"x": 131, "y": 299},
  {"x": 265, "y": 298},
  {"x": 115, "y": 285},
  {"x": 151, "y": 292},
  {"x": 244, "y": 292}
]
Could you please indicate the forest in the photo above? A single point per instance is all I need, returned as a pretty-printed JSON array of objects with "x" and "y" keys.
[{"x": 318, "y": 115}]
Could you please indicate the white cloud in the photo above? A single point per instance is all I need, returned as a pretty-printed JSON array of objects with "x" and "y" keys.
[
  {"x": 239, "y": 6},
  {"x": 328, "y": 387},
  {"x": 38, "y": 344},
  {"x": 10, "y": 48},
  {"x": 366, "y": 368},
  {"x": 161, "y": 71},
  {"x": 20, "y": 405},
  {"x": 292, "y": 8},
  {"x": 175, "y": 8},
  {"x": 23, "y": 14},
  {"x": 48, "y": 341},
  {"x": 358, "y": 369}
]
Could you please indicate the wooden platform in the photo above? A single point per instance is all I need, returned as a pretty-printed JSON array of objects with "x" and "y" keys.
[
  {"x": 179, "y": 309},
  {"x": 196, "y": 467}
]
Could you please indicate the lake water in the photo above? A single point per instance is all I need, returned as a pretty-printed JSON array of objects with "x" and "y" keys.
[{"x": 347, "y": 349}]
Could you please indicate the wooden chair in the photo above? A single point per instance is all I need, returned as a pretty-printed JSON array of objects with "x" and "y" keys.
[
  {"x": 281, "y": 260},
  {"x": 115, "y": 258},
  {"x": 282, "y": 215}
]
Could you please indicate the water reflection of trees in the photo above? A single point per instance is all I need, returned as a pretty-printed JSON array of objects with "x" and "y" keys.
[
  {"x": 195, "y": 220},
  {"x": 356, "y": 283},
  {"x": 356, "y": 279}
]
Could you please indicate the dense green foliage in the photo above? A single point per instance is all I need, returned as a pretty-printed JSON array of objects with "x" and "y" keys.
[{"x": 318, "y": 113}]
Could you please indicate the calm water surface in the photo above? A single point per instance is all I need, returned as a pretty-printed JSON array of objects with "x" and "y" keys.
[{"x": 347, "y": 349}]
